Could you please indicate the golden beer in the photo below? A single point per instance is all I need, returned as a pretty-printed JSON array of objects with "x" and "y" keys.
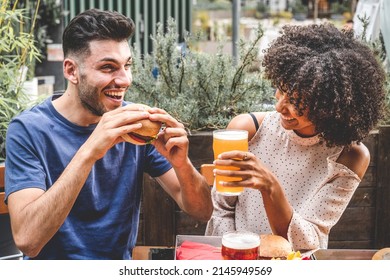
[
  {"x": 224, "y": 141},
  {"x": 240, "y": 245}
]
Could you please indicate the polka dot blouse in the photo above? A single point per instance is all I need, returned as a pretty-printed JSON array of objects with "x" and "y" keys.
[{"x": 317, "y": 187}]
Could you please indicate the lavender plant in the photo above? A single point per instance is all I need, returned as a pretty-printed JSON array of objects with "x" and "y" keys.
[{"x": 203, "y": 91}]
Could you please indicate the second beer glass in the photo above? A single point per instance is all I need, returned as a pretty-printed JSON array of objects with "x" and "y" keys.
[
  {"x": 225, "y": 140},
  {"x": 240, "y": 245}
]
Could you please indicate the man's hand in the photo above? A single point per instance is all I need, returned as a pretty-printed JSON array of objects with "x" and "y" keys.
[
  {"x": 112, "y": 126},
  {"x": 172, "y": 141}
]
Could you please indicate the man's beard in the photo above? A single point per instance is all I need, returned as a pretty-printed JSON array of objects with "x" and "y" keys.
[{"x": 89, "y": 97}]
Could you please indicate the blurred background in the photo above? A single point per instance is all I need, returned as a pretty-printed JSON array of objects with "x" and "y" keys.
[{"x": 214, "y": 20}]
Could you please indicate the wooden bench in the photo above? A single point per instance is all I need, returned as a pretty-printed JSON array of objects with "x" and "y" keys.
[
  {"x": 10, "y": 252},
  {"x": 3, "y": 206}
]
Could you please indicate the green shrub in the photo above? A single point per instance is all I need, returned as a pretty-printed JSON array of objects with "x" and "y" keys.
[
  {"x": 203, "y": 91},
  {"x": 377, "y": 46},
  {"x": 17, "y": 52},
  {"x": 386, "y": 119}
]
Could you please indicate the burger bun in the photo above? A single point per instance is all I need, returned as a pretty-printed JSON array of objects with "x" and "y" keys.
[
  {"x": 382, "y": 254},
  {"x": 146, "y": 134},
  {"x": 273, "y": 247}
]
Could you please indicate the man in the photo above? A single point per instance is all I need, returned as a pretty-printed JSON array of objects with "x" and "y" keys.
[{"x": 72, "y": 184}]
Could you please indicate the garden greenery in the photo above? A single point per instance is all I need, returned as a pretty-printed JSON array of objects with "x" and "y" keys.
[
  {"x": 203, "y": 91},
  {"x": 17, "y": 52},
  {"x": 378, "y": 48}
]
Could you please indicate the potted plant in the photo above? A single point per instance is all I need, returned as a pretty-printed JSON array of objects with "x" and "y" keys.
[
  {"x": 17, "y": 53},
  {"x": 204, "y": 92}
]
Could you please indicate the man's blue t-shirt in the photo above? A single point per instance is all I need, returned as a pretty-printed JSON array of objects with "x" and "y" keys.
[{"x": 103, "y": 222}]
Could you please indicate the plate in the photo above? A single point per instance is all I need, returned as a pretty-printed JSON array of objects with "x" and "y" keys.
[{"x": 343, "y": 254}]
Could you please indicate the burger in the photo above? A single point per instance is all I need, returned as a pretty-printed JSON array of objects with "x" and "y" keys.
[
  {"x": 382, "y": 254},
  {"x": 146, "y": 134},
  {"x": 274, "y": 247}
]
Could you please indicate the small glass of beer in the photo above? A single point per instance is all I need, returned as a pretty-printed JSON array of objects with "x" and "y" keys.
[
  {"x": 225, "y": 140},
  {"x": 240, "y": 245}
]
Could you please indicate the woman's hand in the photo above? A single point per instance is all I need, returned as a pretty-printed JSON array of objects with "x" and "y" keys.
[{"x": 253, "y": 172}]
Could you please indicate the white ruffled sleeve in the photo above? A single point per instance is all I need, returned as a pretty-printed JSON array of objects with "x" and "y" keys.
[{"x": 311, "y": 223}]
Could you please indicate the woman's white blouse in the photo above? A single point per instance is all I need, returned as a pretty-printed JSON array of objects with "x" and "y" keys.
[{"x": 317, "y": 187}]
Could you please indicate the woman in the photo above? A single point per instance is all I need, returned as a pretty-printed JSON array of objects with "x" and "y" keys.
[{"x": 306, "y": 159}]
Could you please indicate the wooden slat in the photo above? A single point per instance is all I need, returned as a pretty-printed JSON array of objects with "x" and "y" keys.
[
  {"x": 158, "y": 213},
  {"x": 201, "y": 150},
  {"x": 363, "y": 197},
  {"x": 371, "y": 141},
  {"x": 365, "y": 244},
  {"x": 143, "y": 252},
  {"x": 2, "y": 171},
  {"x": 3, "y": 206},
  {"x": 369, "y": 179},
  {"x": 186, "y": 225},
  {"x": 356, "y": 223},
  {"x": 207, "y": 171},
  {"x": 141, "y": 227},
  {"x": 383, "y": 189}
]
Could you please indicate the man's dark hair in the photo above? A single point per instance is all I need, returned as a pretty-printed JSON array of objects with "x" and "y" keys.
[
  {"x": 94, "y": 25},
  {"x": 333, "y": 75}
]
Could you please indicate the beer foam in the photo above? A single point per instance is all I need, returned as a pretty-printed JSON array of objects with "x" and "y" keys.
[
  {"x": 231, "y": 134},
  {"x": 241, "y": 240}
]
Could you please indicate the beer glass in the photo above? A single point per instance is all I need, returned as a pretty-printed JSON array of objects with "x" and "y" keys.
[
  {"x": 225, "y": 140},
  {"x": 240, "y": 245}
]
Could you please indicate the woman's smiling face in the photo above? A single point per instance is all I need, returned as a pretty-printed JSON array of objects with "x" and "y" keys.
[{"x": 290, "y": 118}]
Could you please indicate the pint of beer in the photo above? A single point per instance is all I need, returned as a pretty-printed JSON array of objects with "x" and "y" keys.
[
  {"x": 228, "y": 140},
  {"x": 240, "y": 245}
]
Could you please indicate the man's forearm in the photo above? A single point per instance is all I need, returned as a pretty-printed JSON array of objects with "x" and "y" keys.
[{"x": 195, "y": 192}]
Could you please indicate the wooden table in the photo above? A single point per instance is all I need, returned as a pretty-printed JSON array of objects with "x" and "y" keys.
[
  {"x": 143, "y": 253},
  {"x": 343, "y": 254}
]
